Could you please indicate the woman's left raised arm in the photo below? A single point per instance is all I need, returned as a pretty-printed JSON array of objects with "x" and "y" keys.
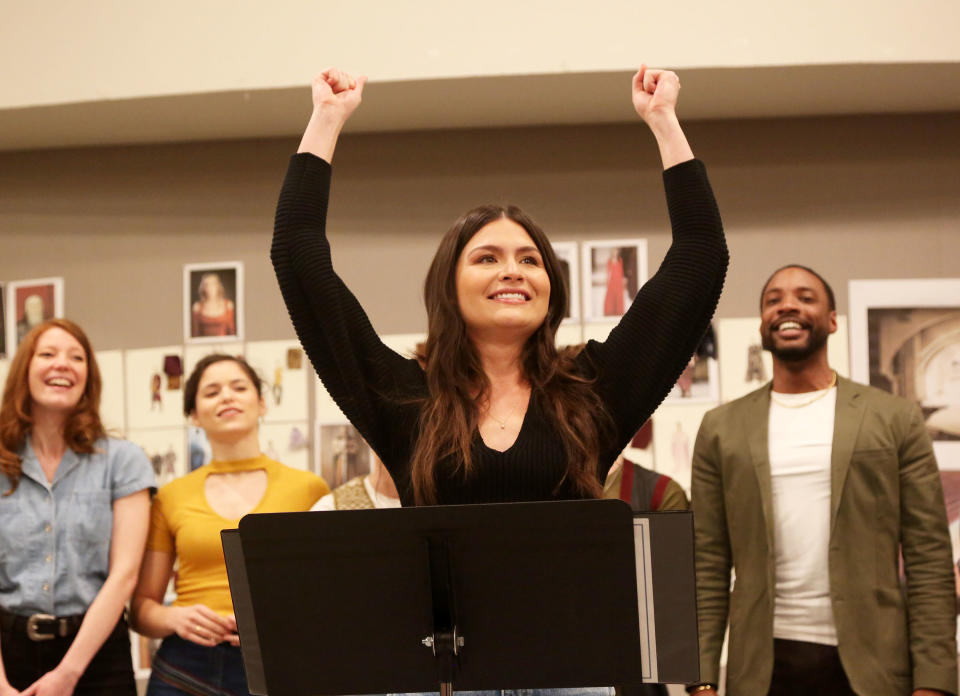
[
  {"x": 655, "y": 95},
  {"x": 131, "y": 516},
  {"x": 645, "y": 353}
]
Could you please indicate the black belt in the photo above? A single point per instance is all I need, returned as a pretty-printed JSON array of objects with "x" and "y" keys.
[{"x": 40, "y": 626}]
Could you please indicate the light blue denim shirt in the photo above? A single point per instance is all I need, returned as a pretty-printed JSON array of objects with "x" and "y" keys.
[{"x": 55, "y": 537}]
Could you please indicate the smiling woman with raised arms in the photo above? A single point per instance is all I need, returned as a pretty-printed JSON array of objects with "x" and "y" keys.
[
  {"x": 73, "y": 520},
  {"x": 496, "y": 413},
  {"x": 200, "y": 653}
]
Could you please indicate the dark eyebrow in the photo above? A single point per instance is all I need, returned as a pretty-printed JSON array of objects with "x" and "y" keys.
[
  {"x": 238, "y": 380},
  {"x": 494, "y": 247}
]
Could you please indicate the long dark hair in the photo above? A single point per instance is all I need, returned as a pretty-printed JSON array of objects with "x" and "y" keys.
[
  {"x": 83, "y": 426},
  {"x": 456, "y": 381}
]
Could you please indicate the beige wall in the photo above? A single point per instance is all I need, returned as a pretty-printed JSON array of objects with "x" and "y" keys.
[{"x": 856, "y": 197}]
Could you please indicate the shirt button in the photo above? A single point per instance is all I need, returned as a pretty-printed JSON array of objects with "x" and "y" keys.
[
  {"x": 49, "y": 558},
  {"x": 46, "y": 587},
  {"x": 47, "y": 528}
]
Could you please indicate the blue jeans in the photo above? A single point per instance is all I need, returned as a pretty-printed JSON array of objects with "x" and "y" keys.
[{"x": 181, "y": 667}]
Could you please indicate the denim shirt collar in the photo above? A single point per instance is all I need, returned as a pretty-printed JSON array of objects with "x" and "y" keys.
[{"x": 30, "y": 465}]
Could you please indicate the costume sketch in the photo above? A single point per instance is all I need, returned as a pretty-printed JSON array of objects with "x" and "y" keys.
[
  {"x": 156, "y": 398},
  {"x": 756, "y": 372}
]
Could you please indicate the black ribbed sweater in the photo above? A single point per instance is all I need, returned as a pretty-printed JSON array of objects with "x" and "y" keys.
[{"x": 634, "y": 368}]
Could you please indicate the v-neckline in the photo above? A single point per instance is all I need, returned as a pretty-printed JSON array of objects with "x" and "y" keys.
[{"x": 523, "y": 425}]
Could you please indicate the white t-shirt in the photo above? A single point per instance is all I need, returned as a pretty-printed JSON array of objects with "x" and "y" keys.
[{"x": 800, "y": 444}]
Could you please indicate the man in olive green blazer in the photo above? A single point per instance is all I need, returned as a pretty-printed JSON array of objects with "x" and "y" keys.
[{"x": 879, "y": 487}]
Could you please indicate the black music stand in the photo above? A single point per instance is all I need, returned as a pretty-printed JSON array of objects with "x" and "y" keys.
[{"x": 518, "y": 595}]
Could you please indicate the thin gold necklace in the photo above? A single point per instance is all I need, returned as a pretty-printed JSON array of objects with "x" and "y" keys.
[
  {"x": 503, "y": 423},
  {"x": 823, "y": 393}
]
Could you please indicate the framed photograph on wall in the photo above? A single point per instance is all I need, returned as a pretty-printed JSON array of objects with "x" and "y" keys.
[
  {"x": 569, "y": 259},
  {"x": 905, "y": 339},
  {"x": 341, "y": 453},
  {"x": 213, "y": 302},
  {"x": 613, "y": 272},
  {"x": 31, "y": 302}
]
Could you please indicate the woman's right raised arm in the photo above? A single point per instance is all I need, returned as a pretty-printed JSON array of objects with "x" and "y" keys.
[
  {"x": 348, "y": 355},
  {"x": 335, "y": 97}
]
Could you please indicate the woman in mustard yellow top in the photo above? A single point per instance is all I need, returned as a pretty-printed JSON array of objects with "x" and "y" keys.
[{"x": 200, "y": 652}]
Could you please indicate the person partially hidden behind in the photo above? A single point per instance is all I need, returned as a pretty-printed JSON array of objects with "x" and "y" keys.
[
  {"x": 813, "y": 487},
  {"x": 371, "y": 491},
  {"x": 645, "y": 491}
]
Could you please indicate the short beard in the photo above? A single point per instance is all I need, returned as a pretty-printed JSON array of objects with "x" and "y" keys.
[{"x": 795, "y": 354}]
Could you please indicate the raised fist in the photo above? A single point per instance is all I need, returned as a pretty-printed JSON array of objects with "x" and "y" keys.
[
  {"x": 337, "y": 92},
  {"x": 655, "y": 92}
]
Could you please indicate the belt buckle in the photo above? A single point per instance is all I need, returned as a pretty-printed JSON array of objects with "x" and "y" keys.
[{"x": 32, "y": 622}]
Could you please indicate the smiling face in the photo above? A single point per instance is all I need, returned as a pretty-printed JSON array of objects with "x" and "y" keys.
[
  {"x": 57, "y": 375},
  {"x": 501, "y": 281},
  {"x": 795, "y": 315},
  {"x": 227, "y": 405}
]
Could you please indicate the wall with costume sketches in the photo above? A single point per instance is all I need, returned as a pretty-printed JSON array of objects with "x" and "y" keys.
[{"x": 853, "y": 197}]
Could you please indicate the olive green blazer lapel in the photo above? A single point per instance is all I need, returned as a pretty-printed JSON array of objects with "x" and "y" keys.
[
  {"x": 756, "y": 422},
  {"x": 848, "y": 417}
]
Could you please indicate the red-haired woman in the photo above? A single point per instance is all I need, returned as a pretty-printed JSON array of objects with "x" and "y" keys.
[
  {"x": 74, "y": 512},
  {"x": 497, "y": 413}
]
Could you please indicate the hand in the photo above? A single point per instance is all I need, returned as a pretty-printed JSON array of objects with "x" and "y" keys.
[
  {"x": 7, "y": 690},
  {"x": 201, "y": 625},
  {"x": 336, "y": 93},
  {"x": 233, "y": 638},
  {"x": 57, "y": 682},
  {"x": 655, "y": 94}
]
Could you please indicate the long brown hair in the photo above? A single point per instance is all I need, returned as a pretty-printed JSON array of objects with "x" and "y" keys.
[
  {"x": 83, "y": 426},
  {"x": 456, "y": 381}
]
